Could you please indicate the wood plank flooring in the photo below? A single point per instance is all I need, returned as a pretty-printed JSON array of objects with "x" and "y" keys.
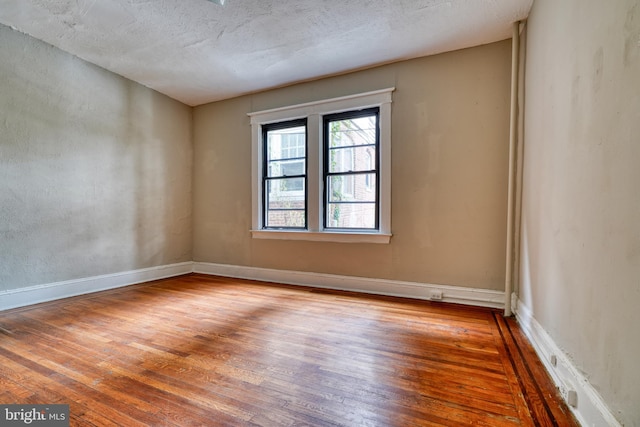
[{"x": 209, "y": 351}]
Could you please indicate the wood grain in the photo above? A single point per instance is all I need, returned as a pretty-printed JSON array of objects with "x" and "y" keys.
[{"x": 209, "y": 351}]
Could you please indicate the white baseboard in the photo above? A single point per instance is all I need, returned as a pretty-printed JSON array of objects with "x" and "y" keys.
[
  {"x": 590, "y": 411},
  {"x": 52, "y": 291},
  {"x": 21, "y": 297},
  {"x": 451, "y": 294}
]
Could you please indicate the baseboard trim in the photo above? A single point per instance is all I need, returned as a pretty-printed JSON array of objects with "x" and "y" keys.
[
  {"x": 450, "y": 294},
  {"x": 590, "y": 410},
  {"x": 21, "y": 297}
]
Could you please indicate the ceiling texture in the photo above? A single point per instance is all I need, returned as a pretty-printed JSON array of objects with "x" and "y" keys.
[{"x": 197, "y": 51}]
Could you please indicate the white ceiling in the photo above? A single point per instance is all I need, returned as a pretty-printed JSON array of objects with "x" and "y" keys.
[{"x": 197, "y": 51}]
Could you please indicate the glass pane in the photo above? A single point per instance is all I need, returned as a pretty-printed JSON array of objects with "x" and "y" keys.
[
  {"x": 351, "y": 215},
  {"x": 286, "y": 168},
  {"x": 285, "y": 193},
  {"x": 288, "y": 143},
  {"x": 352, "y": 159},
  {"x": 348, "y": 132},
  {"x": 352, "y": 188},
  {"x": 285, "y": 219},
  {"x": 285, "y": 203}
]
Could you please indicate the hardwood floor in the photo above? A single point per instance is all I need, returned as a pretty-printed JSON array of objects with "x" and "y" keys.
[{"x": 209, "y": 351}]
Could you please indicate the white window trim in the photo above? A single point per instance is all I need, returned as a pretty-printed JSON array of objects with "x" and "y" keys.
[{"x": 314, "y": 111}]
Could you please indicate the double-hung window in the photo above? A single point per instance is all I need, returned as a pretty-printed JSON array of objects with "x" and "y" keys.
[
  {"x": 321, "y": 171},
  {"x": 285, "y": 175},
  {"x": 350, "y": 142}
]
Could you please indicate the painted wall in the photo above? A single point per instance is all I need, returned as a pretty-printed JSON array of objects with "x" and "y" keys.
[
  {"x": 95, "y": 170},
  {"x": 580, "y": 248},
  {"x": 450, "y": 122}
]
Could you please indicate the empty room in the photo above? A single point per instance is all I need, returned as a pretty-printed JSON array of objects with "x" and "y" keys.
[{"x": 306, "y": 213}]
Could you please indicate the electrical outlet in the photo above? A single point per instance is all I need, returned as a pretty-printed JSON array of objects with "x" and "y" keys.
[
  {"x": 435, "y": 295},
  {"x": 554, "y": 360},
  {"x": 569, "y": 395}
]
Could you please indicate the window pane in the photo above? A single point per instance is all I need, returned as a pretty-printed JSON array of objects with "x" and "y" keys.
[
  {"x": 286, "y": 168},
  {"x": 351, "y": 215},
  {"x": 352, "y": 188},
  {"x": 286, "y": 219},
  {"x": 287, "y": 143},
  {"x": 355, "y": 131},
  {"x": 282, "y": 193},
  {"x": 352, "y": 159},
  {"x": 285, "y": 203}
]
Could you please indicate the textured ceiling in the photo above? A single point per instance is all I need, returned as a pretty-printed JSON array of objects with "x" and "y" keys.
[{"x": 197, "y": 51}]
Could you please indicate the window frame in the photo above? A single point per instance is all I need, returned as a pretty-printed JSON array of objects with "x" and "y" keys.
[
  {"x": 314, "y": 112},
  {"x": 327, "y": 174},
  {"x": 266, "y": 174}
]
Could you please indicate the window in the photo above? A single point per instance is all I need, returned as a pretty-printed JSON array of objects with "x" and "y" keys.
[
  {"x": 321, "y": 171},
  {"x": 349, "y": 138},
  {"x": 284, "y": 175}
]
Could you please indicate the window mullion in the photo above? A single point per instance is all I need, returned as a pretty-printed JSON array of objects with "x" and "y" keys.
[
  {"x": 384, "y": 164},
  {"x": 314, "y": 172},
  {"x": 256, "y": 176}
]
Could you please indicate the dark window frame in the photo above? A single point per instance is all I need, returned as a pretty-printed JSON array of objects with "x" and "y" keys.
[
  {"x": 326, "y": 174},
  {"x": 266, "y": 128}
]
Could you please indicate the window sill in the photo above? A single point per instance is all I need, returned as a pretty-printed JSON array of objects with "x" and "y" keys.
[{"x": 325, "y": 236}]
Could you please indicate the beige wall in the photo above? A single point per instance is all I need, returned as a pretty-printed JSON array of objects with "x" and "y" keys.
[
  {"x": 95, "y": 170},
  {"x": 450, "y": 126},
  {"x": 580, "y": 269}
]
